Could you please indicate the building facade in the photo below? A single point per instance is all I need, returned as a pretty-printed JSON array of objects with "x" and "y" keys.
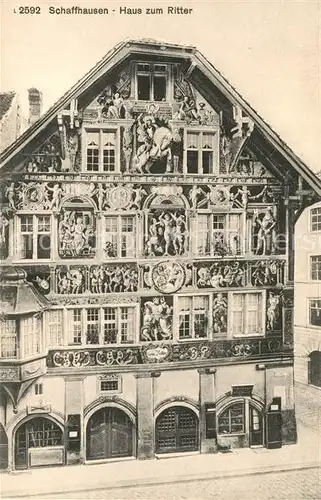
[
  {"x": 307, "y": 318},
  {"x": 12, "y": 121},
  {"x": 147, "y": 259}
]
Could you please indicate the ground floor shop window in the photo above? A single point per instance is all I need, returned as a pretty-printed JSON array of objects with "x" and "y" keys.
[
  {"x": 38, "y": 432},
  {"x": 232, "y": 420}
]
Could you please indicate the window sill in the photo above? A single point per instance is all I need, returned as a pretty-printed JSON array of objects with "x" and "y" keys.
[
  {"x": 249, "y": 336},
  {"x": 234, "y": 434}
]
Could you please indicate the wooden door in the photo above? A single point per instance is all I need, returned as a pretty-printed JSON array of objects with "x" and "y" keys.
[{"x": 177, "y": 430}]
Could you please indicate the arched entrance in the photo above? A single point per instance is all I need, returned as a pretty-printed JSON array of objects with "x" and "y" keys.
[
  {"x": 109, "y": 434},
  {"x": 177, "y": 430},
  {"x": 38, "y": 441},
  {"x": 240, "y": 423}
]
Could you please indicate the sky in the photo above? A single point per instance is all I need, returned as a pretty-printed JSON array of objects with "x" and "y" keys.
[{"x": 269, "y": 50}]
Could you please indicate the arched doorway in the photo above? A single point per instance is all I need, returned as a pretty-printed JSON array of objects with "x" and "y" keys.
[
  {"x": 240, "y": 423},
  {"x": 3, "y": 448},
  {"x": 38, "y": 441},
  {"x": 109, "y": 434},
  {"x": 177, "y": 430}
]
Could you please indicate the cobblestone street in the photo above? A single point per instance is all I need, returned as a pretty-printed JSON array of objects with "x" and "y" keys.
[{"x": 291, "y": 485}]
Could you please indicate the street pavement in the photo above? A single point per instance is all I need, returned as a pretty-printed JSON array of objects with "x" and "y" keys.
[{"x": 288, "y": 485}]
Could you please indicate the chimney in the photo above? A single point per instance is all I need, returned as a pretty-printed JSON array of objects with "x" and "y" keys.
[{"x": 35, "y": 105}]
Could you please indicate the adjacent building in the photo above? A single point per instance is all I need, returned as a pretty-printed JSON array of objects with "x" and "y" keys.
[
  {"x": 307, "y": 319},
  {"x": 147, "y": 268},
  {"x": 12, "y": 121}
]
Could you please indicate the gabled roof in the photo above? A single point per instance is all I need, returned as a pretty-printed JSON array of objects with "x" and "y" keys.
[
  {"x": 6, "y": 99},
  {"x": 197, "y": 62}
]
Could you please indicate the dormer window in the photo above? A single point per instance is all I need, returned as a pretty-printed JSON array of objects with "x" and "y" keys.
[{"x": 151, "y": 82}]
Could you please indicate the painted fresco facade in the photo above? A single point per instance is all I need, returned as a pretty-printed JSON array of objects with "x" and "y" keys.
[{"x": 147, "y": 272}]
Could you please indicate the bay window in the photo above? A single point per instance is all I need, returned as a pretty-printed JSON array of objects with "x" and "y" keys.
[
  {"x": 34, "y": 236},
  {"x": 201, "y": 152},
  {"x": 8, "y": 338},
  {"x": 31, "y": 335},
  {"x": 102, "y": 325},
  {"x": 193, "y": 317},
  {"x": 101, "y": 151},
  {"x": 247, "y": 313},
  {"x": 217, "y": 234},
  {"x": 120, "y": 236}
]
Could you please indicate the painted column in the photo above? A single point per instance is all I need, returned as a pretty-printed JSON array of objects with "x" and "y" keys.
[
  {"x": 145, "y": 416},
  {"x": 208, "y": 440},
  {"x": 75, "y": 452}
]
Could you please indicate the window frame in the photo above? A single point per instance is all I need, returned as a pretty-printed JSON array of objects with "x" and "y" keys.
[
  {"x": 315, "y": 212},
  {"x": 35, "y": 234},
  {"x": 200, "y": 150},
  {"x": 13, "y": 340},
  {"x": 211, "y": 231},
  {"x": 29, "y": 339},
  {"x": 119, "y": 233},
  {"x": 228, "y": 408},
  {"x": 314, "y": 299},
  {"x": 83, "y": 323},
  {"x": 101, "y": 129},
  {"x": 151, "y": 74},
  {"x": 245, "y": 311},
  {"x": 192, "y": 314},
  {"x": 317, "y": 266}
]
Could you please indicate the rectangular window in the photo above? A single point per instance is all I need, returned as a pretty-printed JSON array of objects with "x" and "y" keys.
[
  {"x": 192, "y": 317},
  {"x": 109, "y": 383},
  {"x": 101, "y": 151},
  {"x": 108, "y": 325},
  {"x": 8, "y": 338},
  {"x": 246, "y": 313},
  {"x": 120, "y": 236},
  {"x": 55, "y": 328},
  {"x": 34, "y": 233},
  {"x": 38, "y": 389},
  {"x": 316, "y": 219},
  {"x": 151, "y": 82},
  {"x": 315, "y": 312},
  {"x": 217, "y": 234},
  {"x": 31, "y": 335},
  {"x": 201, "y": 152},
  {"x": 315, "y": 267}
]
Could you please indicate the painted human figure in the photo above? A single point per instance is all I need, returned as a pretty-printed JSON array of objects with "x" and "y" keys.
[
  {"x": 73, "y": 146},
  {"x": 115, "y": 109},
  {"x": 65, "y": 232},
  {"x": 194, "y": 193},
  {"x": 57, "y": 193},
  {"x": 10, "y": 194},
  {"x": 216, "y": 279},
  {"x": 187, "y": 110},
  {"x": 75, "y": 277},
  {"x": 78, "y": 235},
  {"x": 167, "y": 222},
  {"x": 4, "y": 223},
  {"x": 219, "y": 313},
  {"x": 272, "y": 311},
  {"x": 266, "y": 225},
  {"x": 179, "y": 233},
  {"x": 139, "y": 193},
  {"x": 152, "y": 243}
]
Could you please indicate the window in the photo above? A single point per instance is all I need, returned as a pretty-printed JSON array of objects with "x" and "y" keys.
[
  {"x": 101, "y": 151},
  {"x": 38, "y": 389},
  {"x": 109, "y": 383},
  {"x": 217, "y": 234},
  {"x": 192, "y": 317},
  {"x": 246, "y": 313},
  {"x": 34, "y": 232},
  {"x": 8, "y": 338},
  {"x": 151, "y": 82},
  {"x": 31, "y": 335},
  {"x": 108, "y": 325},
  {"x": 120, "y": 236},
  {"x": 315, "y": 267},
  {"x": 316, "y": 219},
  {"x": 315, "y": 312},
  {"x": 41, "y": 432},
  {"x": 314, "y": 368},
  {"x": 232, "y": 420},
  {"x": 201, "y": 152},
  {"x": 55, "y": 328}
]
